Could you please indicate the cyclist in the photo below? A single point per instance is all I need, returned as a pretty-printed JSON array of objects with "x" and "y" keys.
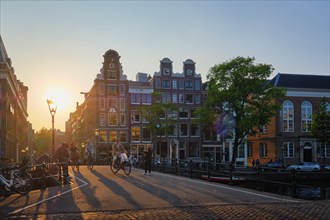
[
  {"x": 74, "y": 156},
  {"x": 118, "y": 150},
  {"x": 89, "y": 151}
]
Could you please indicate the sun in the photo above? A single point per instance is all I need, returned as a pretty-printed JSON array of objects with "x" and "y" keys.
[{"x": 60, "y": 96}]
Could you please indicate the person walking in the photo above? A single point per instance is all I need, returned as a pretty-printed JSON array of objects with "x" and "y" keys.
[
  {"x": 147, "y": 158},
  {"x": 62, "y": 157}
]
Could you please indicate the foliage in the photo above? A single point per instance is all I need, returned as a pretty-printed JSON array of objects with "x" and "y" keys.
[
  {"x": 160, "y": 117},
  {"x": 320, "y": 126},
  {"x": 239, "y": 88},
  {"x": 43, "y": 140}
]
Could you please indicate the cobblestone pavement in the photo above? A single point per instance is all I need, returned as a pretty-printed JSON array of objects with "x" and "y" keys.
[{"x": 304, "y": 210}]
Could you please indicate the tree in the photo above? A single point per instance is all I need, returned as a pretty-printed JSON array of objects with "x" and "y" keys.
[
  {"x": 161, "y": 118},
  {"x": 239, "y": 88},
  {"x": 43, "y": 141},
  {"x": 320, "y": 126}
]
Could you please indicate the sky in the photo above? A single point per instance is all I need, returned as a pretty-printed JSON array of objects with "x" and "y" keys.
[{"x": 57, "y": 47}]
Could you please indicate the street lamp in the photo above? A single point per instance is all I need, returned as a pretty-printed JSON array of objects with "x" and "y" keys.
[
  {"x": 97, "y": 134},
  {"x": 52, "y": 109}
]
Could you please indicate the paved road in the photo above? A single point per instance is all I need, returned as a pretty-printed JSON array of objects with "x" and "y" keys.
[{"x": 102, "y": 195}]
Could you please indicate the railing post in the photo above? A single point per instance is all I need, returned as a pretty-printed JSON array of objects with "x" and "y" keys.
[
  {"x": 258, "y": 178},
  {"x": 191, "y": 168},
  {"x": 176, "y": 166},
  {"x": 294, "y": 183},
  {"x": 230, "y": 174}
]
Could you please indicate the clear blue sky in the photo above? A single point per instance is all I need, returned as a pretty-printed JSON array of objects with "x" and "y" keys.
[{"x": 57, "y": 47}]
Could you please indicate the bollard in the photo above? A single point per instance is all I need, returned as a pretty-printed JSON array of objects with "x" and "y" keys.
[
  {"x": 230, "y": 174},
  {"x": 258, "y": 179},
  {"x": 208, "y": 170}
]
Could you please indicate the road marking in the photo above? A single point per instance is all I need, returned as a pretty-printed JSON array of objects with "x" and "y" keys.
[
  {"x": 52, "y": 197},
  {"x": 227, "y": 187}
]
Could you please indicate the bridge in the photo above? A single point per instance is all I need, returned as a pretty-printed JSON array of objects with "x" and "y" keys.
[{"x": 100, "y": 194}]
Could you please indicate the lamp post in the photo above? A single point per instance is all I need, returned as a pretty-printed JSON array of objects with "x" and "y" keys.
[
  {"x": 97, "y": 133},
  {"x": 282, "y": 150},
  {"x": 52, "y": 109}
]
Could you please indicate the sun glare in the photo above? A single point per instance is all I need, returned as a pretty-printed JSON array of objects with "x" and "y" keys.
[{"x": 60, "y": 96}]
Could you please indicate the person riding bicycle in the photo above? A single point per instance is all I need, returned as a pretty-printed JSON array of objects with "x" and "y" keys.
[
  {"x": 118, "y": 150},
  {"x": 89, "y": 151},
  {"x": 74, "y": 154}
]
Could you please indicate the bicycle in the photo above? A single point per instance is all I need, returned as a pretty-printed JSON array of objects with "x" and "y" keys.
[
  {"x": 74, "y": 164},
  {"x": 90, "y": 161},
  {"x": 125, "y": 165},
  {"x": 18, "y": 180}
]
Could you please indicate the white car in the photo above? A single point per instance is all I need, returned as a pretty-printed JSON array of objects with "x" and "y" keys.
[{"x": 305, "y": 166}]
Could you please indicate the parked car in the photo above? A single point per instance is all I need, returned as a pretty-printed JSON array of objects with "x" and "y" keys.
[{"x": 306, "y": 166}]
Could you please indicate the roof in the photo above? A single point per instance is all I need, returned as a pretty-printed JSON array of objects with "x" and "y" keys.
[{"x": 301, "y": 81}]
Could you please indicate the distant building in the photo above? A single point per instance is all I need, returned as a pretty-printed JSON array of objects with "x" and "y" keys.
[
  {"x": 286, "y": 138},
  {"x": 14, "y": 126}
]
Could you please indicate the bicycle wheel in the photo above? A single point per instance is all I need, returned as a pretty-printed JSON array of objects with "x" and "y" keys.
[
  {"x": 127, "y": 168},
  {"x": 22, "y": 183},
  {"x": 115, "y": 168}
]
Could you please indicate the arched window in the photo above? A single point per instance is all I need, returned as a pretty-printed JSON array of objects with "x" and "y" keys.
[
  {"x": 288, "y": 115},
  {"x": 306, "y": 115}
]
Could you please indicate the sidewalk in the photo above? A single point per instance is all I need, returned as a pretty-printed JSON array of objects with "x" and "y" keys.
[{"x": 301, "y": 210}]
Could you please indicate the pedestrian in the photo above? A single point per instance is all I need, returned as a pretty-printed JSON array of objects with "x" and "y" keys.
[
  {"x": 253, "y": 163},
  {"x": 62, "y": 157},
  {"x": 147, "y": 158},
  {"x": 257, "y": 163}
]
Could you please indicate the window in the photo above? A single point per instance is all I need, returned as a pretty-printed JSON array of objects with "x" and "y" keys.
[
  {"x": 325, "y": 149},
  {"x": 102, "y": 119},
  {"x": 240, "y": 151},
  {"x": 197, "y": 99},
  {"x": 102, "y": 104},
  {"x": 197, "y": 85},
  {"x": 174, "y": 98},
  {"x": 288, "y": 150},
  {"x": 122, "y": 119},
  {"x": 192, "y": 113},
  {"x": 173, "y": 130},
  {"x": 112, "y": 103},
  {"x": 263, "y": 150},
  {"x": 103, "y": 136},
  {"x": 146, "y": 134},
  {"x": 122, "y": 104},
  {"x": 193, "y": 149},
  {"x": 189, "y": 84},
  {"x": 146, "y": 98},
  {"x": 112, "y": 119},
  {"x": 183, "y": 113},
  {"x": 181, "y": 84},
  {"x": 112, "y": 136},
  {"x": 166, "y": 97},
  {"x": 288, "y": 116},
  {"x": 122, "y": 89},
  {"x": 135, "y": 117},
  {"x": 166, "y": 84},
  {"x": 101, "y": 88},
  {"x": 183, "y": 130},
  {"x": 174, "y": 84},
  {"x": 157, "y": 83},
  {"x": 263, "y": 129},
  {"x": 195, "y": 130},
  {"x": 123, "y": 136},
  {"x": 189, "y": 98},
  {"x": 306, "y": 115},
  {"x": 135, "y": 134},
  {"x": 112, "y": 89},
  {"x": 181, "y": 98},
  {"x": 135, "y": 98},
  {"x": 249, "y": 149}
]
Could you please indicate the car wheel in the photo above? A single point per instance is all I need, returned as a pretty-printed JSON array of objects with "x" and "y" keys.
[
  {"x": 315, "y": 169},
  {"x": 298, "y": 169}
]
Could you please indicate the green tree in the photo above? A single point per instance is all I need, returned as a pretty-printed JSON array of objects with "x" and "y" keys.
[
  {"x": 239, "y": 88},
  {"x": 43, "y": 141},
  {"x": 320, "y": 126},
  {"x": 161, "y": 118}
]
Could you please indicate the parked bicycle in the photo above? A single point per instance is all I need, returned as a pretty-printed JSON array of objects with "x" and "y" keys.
[
  {"x": 18, "y": 180},
  {"x": 118, "y": 164}
]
